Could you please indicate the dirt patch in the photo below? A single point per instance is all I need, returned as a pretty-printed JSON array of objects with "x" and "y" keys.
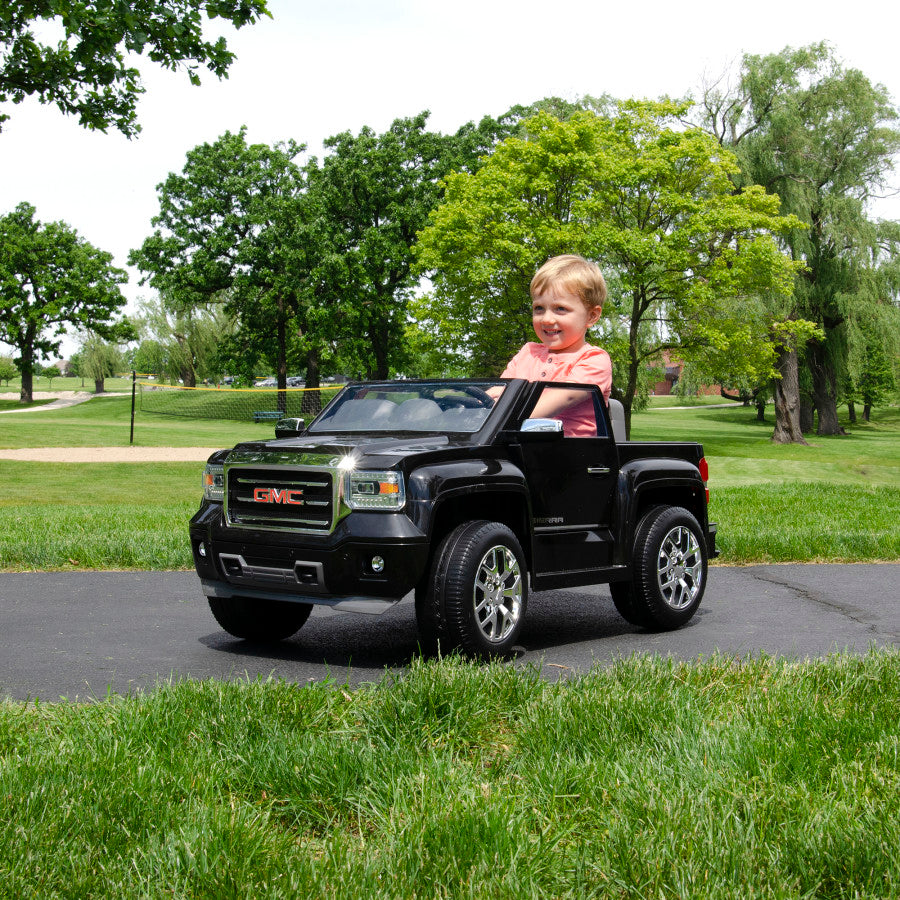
[{"x": 109, "y": 454}]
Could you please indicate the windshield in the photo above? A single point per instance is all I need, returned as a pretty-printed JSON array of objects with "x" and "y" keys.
[{"x": 433, "y": 406}]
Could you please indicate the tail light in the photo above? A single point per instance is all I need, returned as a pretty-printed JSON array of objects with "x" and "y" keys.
[{"x": 703, "y": 466}]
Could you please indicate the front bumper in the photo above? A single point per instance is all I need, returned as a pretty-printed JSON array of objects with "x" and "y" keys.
[{"x": 339, "y": 570}]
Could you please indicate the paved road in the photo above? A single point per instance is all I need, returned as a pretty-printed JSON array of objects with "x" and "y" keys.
[{"x": 78, "y": 635}]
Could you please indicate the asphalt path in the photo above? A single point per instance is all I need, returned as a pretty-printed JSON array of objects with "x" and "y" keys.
[{"x": 83, "y": 635}]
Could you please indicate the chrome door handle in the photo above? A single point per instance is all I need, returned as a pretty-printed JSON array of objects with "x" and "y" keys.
[{"x": 599, "y": 470}]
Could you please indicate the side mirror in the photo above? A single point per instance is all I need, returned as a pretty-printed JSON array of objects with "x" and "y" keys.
[
  {"x": 553, "y": 426},
  {"x": 289, "y": 427}
]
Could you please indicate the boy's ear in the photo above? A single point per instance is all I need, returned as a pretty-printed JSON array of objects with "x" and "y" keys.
[{"x": 594, "y": 315}]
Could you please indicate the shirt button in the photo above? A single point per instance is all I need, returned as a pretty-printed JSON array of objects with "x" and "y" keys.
[{"x": 543, "y": 374}]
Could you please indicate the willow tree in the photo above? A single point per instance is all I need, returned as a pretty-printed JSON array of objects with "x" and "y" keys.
[
  {"x": 652, "y": 202},
  {"x": 824, "y": 138}
]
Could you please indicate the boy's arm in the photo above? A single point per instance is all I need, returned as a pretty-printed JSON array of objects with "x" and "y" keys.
[{"x": 554, "y": 401}]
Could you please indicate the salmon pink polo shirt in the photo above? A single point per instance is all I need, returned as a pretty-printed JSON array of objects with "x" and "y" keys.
[{"x": 588, "y": 365}]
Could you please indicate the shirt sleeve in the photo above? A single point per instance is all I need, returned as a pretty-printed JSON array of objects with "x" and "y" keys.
[
  {"x": 594, "y": 367},
  {"x": 514, "y": 366}
]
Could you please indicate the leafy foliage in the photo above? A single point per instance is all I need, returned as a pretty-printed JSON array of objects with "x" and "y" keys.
[
  {"x": 824, "y": 138},
  {"x": 50, "y": 279},
  {"x": 8, "y": 369},
  {"x": 651, "y": 202},
  {"x": 87, "y": 73},
  {"x": 235, "y": 228}
]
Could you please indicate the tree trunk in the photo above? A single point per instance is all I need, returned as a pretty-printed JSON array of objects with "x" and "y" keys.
[
  {"x": 761, "y": 409},
  {"x": 867, "y": 411},
  {"x": 281, "y": 358},
  {"x": 26, "y": 394},
  {"x": 379, "y": 342},
  {"x": 824, "y": 392},
  {"x": 98, "y": 384},
  {"x": 851, "y": 411},
  {"x": 787, "y": 400},
  {"x": 311, "y": 405}
]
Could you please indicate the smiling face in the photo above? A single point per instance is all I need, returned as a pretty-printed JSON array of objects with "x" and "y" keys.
[{"x": 561, "y": 319}]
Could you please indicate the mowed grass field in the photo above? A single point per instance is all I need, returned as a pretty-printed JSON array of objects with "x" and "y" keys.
[
  {"x": 837, "y": 499},
  {"x": 722, "y": 778},
  {"x": 646, "y": 779}
]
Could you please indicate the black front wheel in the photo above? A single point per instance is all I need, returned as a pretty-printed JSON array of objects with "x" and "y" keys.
[
  {"x": 266, "y": 621},
  {"x": 669, "y": 575},
  {"x": 477, "y": 593}
]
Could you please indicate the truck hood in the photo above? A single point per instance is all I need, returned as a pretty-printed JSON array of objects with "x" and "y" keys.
[{"x": 367, "y": 451}]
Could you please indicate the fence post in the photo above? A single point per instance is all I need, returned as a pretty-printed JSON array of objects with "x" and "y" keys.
[{"x": 133, "y": 384}]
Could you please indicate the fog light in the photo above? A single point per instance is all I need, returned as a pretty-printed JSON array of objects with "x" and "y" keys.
[
  {"x": 377, "y": 565},
  {"x": 201, "y": 550}
]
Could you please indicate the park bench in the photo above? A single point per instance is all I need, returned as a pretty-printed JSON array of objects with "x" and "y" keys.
[{"x": 266, "y": 415}]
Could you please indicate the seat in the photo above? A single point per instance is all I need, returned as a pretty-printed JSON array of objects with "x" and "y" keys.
[
  {"x": 366, "y": 413},
  {"x": 463, "y": 419},
  {"x": 617, "y": 417},
  {"x": 417, "y": 413}
]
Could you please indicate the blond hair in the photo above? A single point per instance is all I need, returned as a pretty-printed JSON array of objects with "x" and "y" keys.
[{"x": 574, "y": 274}]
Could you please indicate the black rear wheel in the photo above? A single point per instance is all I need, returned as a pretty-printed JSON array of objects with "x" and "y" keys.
[
  {"x": 669, "y": 571},
  {"x": 266, "y": 621}
]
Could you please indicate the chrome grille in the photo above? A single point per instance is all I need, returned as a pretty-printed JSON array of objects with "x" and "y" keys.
[{"x": 279, "y": 497}]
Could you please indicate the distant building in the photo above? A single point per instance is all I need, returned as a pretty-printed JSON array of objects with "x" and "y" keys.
[{"x": 673, "y": 369}]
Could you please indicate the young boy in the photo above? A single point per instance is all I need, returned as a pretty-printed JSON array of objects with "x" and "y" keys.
[{"x": 567, "y": 295}]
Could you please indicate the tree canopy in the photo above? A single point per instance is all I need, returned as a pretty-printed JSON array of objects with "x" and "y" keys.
[
  {"x": 375, "y": 192},
  {"x": 824, "y": 138},
  {"x": 52, "y": 279},
  {"x": 88, "y": 71},
  {"x": 234, "y": 229},
  {"x": 651, "y": 201}
]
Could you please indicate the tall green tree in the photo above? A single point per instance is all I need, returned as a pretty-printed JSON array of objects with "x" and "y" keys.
[
  {"x": 653, "y": 203},
  {"x": 235, "y": 228},
  {"x": 88, "y": 71},
  {"x": 50, "y": 280},
  {"x": 824, "y": 138},
  {"x": 374, "y": 193}
]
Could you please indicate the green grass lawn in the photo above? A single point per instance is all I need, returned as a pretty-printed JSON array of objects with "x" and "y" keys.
[
  {"x": 722, "y": 778},
  {"x": 837, "y": 499},
  {"x": 649, "y": 778},
  {"x": 106, "y": 422}
]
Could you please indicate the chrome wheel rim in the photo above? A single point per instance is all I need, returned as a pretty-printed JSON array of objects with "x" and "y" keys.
[
  {"x": 498, "y": 594},
  {"x": 679, "y": 569}
]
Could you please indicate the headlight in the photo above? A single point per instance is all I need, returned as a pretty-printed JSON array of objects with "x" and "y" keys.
[
  {"x": 214, "y": 482},
  {"x": 374, "y": 490}
]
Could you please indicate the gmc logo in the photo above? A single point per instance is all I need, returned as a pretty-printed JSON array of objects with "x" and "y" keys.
[{"x": 274, "y": 495}]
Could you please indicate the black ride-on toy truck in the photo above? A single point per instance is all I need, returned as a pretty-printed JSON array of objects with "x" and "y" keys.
[{"x": 448, "y": 489}]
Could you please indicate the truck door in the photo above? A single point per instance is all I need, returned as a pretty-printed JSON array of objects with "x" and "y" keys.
[{"x": 571, "y": 479}]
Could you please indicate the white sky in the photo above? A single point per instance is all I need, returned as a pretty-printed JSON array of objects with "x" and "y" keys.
[{"x": 319, "y": 68}]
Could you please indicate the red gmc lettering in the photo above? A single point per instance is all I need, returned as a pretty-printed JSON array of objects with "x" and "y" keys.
[{"x": 273, "y": 495}]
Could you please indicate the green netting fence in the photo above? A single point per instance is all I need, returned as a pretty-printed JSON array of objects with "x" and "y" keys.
[{"x": 239, "y": 404}]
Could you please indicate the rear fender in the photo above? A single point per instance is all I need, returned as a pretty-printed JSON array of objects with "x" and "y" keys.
[{"x": 645, "y": 483}]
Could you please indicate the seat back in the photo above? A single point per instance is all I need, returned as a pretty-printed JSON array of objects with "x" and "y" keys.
[
  {"x": 364, "y": 413},
  {"x": 617, "y": 417},
  {"x": 418, "y": 413}
]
